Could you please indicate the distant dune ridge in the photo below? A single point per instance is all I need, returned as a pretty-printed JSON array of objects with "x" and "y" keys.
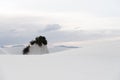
[{"x": 97, "y": 47}]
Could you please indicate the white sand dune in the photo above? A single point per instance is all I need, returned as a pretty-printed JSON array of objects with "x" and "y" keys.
[
  {"x": 3, "y": 52},
  {"x": 100, "y": 48},
  {"x": 99, "y": 61}
]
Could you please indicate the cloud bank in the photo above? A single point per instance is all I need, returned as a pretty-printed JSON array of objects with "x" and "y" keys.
[{"x": 24, "y": 29}]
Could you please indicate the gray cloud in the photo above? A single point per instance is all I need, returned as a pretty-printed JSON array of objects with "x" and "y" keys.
[
  {"x": 80, "y": 35},
  {"x": 51, "y": 27},
  {"x": 57, "y": 36},
  {"x": 23, "y": 30}
]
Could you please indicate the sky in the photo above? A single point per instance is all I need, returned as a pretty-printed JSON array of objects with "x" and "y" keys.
[
  {"x": 28, "y": 18},
  {"x": 87, "y": 14}
]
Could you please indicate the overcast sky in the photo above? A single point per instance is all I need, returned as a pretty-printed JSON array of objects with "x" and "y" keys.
[
  {"x": 26, "y": 18},
  {"x": 86, "y": 14}
]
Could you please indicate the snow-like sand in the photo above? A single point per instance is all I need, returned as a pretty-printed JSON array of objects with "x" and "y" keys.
[
  {"x": 95, "y": 48},
  {"x": 96, "y": 61}
]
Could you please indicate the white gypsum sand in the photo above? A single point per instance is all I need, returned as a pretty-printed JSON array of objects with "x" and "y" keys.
[{"x": 99, "y": 61}]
